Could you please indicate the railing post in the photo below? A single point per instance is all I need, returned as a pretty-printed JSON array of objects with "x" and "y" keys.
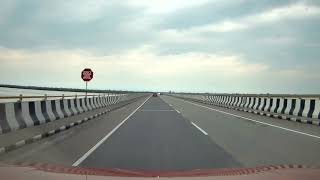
[
  {"x": 76, "y": 96},
  {"x": 62, "y": 96},
  {"x": 20, "y": 97},
  {"x": 45, "y": 97}
]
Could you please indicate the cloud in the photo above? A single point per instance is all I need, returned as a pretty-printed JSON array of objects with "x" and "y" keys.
[
  {"x": 143, "y": 69},
  {"x": 138, "y": 65},
  {"x": 293, "y": 11},
  {"x": 175, "y": 36},
  {"x": 73, "y": 10},
  {"x": 164, "y": 6},
  {"x": 224, "y": 26},
  {"x": 139, "y": 61},
  {"x": 312, "y": 45},
  {"x": 278, "y": 40},
  {"x": 6, "y": 10},
  {"x": 50, "y": 42},
  {"x": 289, "y": 12}
]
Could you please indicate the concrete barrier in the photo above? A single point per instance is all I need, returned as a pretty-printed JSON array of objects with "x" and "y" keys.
[
  {"x": 18, "y": 115},
  {"x": 285, "y": 107}
]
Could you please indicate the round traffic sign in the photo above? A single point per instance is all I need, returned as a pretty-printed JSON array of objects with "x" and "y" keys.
[{"x": 87, "y": 74}]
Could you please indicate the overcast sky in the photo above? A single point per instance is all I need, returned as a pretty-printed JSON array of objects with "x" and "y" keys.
[{"x": 245, "y": 46}]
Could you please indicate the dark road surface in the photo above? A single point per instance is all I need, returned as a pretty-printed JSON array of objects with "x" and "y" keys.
[{"x": 157, "y": 137}]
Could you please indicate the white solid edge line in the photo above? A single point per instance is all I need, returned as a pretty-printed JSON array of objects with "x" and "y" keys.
[
  {"x": 204, "y": 132},
  {"x": 83, "y": 157},
  {"x": 299, "y": 132}
]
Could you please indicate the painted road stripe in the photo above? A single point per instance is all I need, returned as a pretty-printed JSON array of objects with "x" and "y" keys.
[
  {"x": 272, "y": 125},
  {"x": 82, "y": 158},
  {"x": 178, "y": 111},
  {"x": 204, "y": 132}
]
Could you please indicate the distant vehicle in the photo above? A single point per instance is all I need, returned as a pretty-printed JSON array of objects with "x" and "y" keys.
[{"x": 155, "y": 94}]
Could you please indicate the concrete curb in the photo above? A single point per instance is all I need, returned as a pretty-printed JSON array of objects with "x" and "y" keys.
[
  {"x": 60, "y": 129},
  {"x": 276, "y": 116}
]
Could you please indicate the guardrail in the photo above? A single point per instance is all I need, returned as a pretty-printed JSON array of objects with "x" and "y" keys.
[
  {"x": 64, "y": 89},
  {"x": 21, "y": 97},
  {"x": 22, "y": 114},
  {"x": 256, "y": 95},
  {"x": 301, "y": 108}
]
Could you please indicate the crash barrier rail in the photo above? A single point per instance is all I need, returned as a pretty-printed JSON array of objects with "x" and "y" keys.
[
  {"x": 290, "y": 107},
  {"x": 22, "y": 97},
  {"x": 18, "y": 115}
]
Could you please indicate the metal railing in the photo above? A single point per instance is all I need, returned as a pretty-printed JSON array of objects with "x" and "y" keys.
[
  {"x": 256, "y": 95},
  {"x": 21, "y": 97}
]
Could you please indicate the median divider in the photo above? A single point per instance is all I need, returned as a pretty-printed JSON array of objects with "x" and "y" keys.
[
  {"x": 303, "y": 109},
  {"x": 49, "y": 132}
]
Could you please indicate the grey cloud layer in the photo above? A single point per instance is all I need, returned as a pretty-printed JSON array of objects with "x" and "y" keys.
[
  {"x": 210, "y": 27},
  {"x": 36, "y": 25}
]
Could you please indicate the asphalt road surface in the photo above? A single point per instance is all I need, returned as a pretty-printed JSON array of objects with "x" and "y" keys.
[
  {"x": 167, "y": 133},
  {"x": 157, "y": 137}
]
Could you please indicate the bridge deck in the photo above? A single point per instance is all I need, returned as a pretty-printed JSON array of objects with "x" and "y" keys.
[{"x": 170, "y": 133}]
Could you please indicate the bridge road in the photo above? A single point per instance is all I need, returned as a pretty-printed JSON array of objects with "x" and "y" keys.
[
  {"x": 157, "y": 137},
  {"x": 167, "y": 133}
]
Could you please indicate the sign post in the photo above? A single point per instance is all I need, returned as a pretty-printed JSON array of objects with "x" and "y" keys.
[
  {"x": 86, "y": 88},
  {"x": 87, "y": 75}
]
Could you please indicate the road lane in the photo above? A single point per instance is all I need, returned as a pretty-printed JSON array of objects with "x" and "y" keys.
[
  {"x": 88, "y": 153},
  {"x": 156, "y": 137},
  {"x": 66, "y": 147},
  {"x": 253, "y": 143}
]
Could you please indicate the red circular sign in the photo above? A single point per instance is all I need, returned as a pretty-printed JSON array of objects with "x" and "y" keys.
[{"x": 87, "y": 74}]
